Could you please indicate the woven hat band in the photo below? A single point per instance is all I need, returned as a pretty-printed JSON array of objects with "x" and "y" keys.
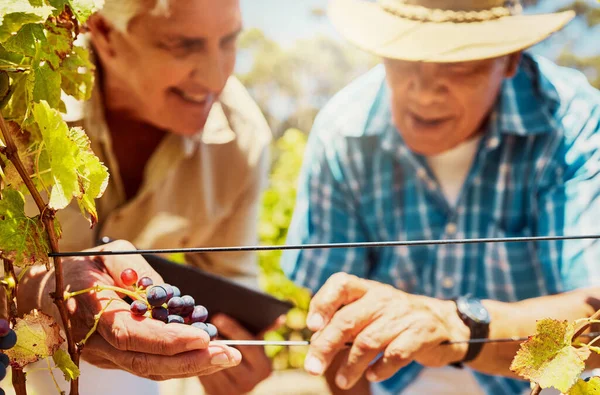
[{"x": 458, "y": 11}]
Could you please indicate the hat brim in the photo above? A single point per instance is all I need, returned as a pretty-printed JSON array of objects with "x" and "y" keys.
[{"x": 368, "y": 26}]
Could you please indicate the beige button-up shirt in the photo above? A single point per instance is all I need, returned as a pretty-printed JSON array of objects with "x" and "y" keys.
[{"x": 196, "y": 192}]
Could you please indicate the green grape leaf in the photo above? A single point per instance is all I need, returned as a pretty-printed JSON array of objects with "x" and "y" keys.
[
  {"x": 56, "y": 46},
  {"x": 38, "y": 337},
  {"x": 62, "y": 152},
  {"x": 17, "y": 107},
  {"x": 22, "y": 239},
  {"x": 45, "y": 84},
  {"x": 63, "y": 361},
  {"x": 548, "y": 357},
  {"x": 77, "y": 74},
  {"x": 14, "y": 14},
  {"x": 582, "y": 387},
  {"x": 76, "y": 171},
  {"x": 84, "y": 8},
  {"x": 24, "y": 42},
  {"x": 93, "y": 175}
]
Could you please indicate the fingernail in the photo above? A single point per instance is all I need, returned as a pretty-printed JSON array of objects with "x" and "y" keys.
[
  {"x": 313, "y": 365},
  {"x": 371, "y": 376},
  {"x": 341, "y": 381},
  {"x": 314, "y": 322},
  {"x": 220, "y": 359}
]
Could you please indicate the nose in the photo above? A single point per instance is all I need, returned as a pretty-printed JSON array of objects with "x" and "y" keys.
[
  {"x": 426, "y": 84},
  {"x": 210, "y": 71}
]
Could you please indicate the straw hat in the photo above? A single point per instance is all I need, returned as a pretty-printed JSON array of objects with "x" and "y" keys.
[{"x": 442, "y": 30}]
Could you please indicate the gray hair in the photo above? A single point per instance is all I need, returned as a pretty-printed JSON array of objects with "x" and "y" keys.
[{"x": 121, "y": 12}]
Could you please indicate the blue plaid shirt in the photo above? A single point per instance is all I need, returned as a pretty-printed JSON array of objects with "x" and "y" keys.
[{"x": 536, "y": 172}]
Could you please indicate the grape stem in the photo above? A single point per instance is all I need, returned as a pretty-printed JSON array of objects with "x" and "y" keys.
[
  {"x": 51, "y": 370},
  {"x": 99, "y": 287},
  {"x": 95, "y": 326},
  {"x": 47, "y": 214}
]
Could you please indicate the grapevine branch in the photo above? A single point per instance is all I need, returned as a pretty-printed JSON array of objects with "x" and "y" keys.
[{"x": 47, "y": 215}]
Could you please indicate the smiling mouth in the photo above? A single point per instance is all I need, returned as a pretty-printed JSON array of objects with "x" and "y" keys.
[
  {"x": 196, "y": 98},
  {"x": 429, "y": 122}
]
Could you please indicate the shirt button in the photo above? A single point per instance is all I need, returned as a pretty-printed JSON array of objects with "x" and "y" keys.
[
  {"x": 447, "y": 282},
  {"x": 451, "y": 228},
  {"x": 493, "y": 142}
]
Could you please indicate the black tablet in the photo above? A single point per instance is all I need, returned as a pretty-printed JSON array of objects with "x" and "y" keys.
[{"x": 255, "y": 310}]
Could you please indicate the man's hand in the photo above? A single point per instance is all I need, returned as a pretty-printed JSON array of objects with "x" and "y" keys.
[
  {"x": 378, "y": 318},
  {"x": 142, "y": 346},
  {"x": 255, "y": 366}
]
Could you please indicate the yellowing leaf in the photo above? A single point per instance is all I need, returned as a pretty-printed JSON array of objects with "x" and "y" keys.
[
  {"x": 63, "y": 361},
  {"x": 22, "y": 239},
  {"x": 38, "y": 336},
  {"x": 62, "y": 152},
  {"x": 23, "y": 142},
  {"x": 14, "y": 14},
  {"x": 548, "y": 358},
  {"x": 590, "y": 387}
]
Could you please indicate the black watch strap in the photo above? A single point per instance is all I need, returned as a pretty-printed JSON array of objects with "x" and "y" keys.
[{"x": 479, "y": 330}]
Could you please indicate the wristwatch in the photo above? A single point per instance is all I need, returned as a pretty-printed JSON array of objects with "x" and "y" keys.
[{"x": 474, "y": 314}]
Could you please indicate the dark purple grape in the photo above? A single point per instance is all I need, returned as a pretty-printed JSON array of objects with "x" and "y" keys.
[
  {"x": 145, "y": 282},
  {"x": 4, "y": 327},
  {"x": 212, "y": 331},
  {"x": 156, "y": 295},
  {"x": 8, "y": 341},
  {"x": 169, "y": 289},
  {"x": 200, "y": 325},
  {"x": 138, "y": 307},
  {"x": 161, "y": 314},
  {"x": 175, "y": 305},
  {"x": 199, "y": 314},
  {"x": 176, "y": 291},
  {"x": 2, "y": 372},
  {"x": 175, "y": 319},
  {"x": 2, "y": 392},
  {"x": 188, "y": 305},
  {"x": 4, "y": 360}
]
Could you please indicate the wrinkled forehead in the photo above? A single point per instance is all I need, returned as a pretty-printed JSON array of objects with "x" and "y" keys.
[{"x": 459, "y": 5}]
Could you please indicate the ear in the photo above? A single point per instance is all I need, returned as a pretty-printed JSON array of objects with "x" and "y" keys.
[
  {"x": 512, "y": 65},
  {"x": 101, "y": 34}
]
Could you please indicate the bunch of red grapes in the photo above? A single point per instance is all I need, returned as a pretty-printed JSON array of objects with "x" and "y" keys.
[{"x": 164, "y": 303}]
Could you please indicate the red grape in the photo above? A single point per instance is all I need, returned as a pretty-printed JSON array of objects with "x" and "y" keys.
[
  {"x": 145, "y": 282},
  {"x": 129, "y": 277},
  {"x": 138, "y": 307}
]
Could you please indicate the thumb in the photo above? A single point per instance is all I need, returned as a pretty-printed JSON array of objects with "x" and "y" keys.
[{"x": 115, "y": 264}]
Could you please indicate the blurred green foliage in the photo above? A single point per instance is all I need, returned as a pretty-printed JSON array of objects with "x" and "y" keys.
[{"x": 277, "y": 207}]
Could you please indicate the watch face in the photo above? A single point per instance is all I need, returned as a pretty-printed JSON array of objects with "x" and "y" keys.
[{"x": 475, "y": 310}]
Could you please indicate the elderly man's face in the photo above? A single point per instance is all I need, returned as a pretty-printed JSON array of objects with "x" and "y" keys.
[
  {"x": 172, "y": 68},
  {"x": 437, "y": 106}
]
